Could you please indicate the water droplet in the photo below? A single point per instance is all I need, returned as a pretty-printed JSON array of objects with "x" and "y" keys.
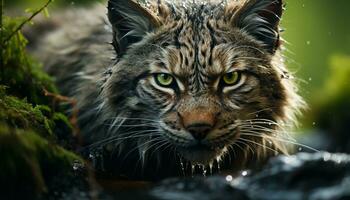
[
  {"x": 244, "y": 173},
  {"x": 211, "y": 168},
  {"x": 308, "y": 42},
  {"x": 143, "y": 157},
  {"x": 313, "y": 123},
  {"x": 300, "y": 149},
  {"x": 218, "y": 163},
  {"x": 77, "y": 165},
  {"x": 310, "y": 79},
  {"x": 92, "y": 158},
  {"x": 201, "y": 168},
  {"x": 182, "y": 167},
  {"x": 192, "y": 169},
  {"x": 229, "y": 178}
]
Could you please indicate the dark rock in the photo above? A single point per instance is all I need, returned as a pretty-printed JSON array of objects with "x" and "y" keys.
[
  {"x": 317, "y": 176},
  {"x": 34, "y": 168},
  {"x": 302, "y": 176},
  {"x": 198, "y": 188}
]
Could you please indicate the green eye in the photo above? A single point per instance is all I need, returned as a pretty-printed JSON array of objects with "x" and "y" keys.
[
  {"x": 231, "y": 78},
  {"x": 164, "y": 79}
]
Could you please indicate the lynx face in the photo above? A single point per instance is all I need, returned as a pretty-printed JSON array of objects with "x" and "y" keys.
[
  {"x": 203, "y": 99},
  {"x": 200, "y": 79}
]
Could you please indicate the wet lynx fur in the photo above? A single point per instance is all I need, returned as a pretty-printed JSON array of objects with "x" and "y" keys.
[{"x": 168, "y": 88}]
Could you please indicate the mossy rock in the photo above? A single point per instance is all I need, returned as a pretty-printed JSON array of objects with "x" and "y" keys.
[
  {"x": 32, "y": 167},
  {"x": 18, "y": 113},
  {"x": 22, "y": 75}
]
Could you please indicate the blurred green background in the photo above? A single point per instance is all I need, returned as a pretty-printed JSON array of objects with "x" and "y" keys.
[
  {"x": 318, "y": 52},
  {"x": 316, "y": 31}
]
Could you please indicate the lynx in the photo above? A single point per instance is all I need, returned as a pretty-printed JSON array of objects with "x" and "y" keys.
[{"x": 172, "y": 88}]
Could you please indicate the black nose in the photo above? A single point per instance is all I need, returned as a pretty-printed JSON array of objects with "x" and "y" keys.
[{"x": 199, "y": 130}]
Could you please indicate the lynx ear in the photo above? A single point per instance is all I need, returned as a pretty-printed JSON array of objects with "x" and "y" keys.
[
  {"x": 130, "y": 22},
  {"x": 261, "y": 18}
]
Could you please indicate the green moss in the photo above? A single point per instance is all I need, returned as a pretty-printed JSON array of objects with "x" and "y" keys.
[
  {"x": 18, "y": 113},
  {"x": 31, "y": 128},
  {"x": 22, "y": 75},
  {"x": 29, "y": 165}
]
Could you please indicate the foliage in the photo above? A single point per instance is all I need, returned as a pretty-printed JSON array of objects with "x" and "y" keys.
[
  {"x": 17, "y": 113},
  {"x": 334, "y": 105},
  {"x": 57, "y": 2},
  {"x": 331, "y": 112},
  {"x": 31, "y": 166},
  {"x": 315, "y": 31},
  {"x": 20, "y": 73}
]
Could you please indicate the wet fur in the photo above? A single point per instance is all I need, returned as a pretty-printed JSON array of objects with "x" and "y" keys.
[{"x": 104, "y": 64}]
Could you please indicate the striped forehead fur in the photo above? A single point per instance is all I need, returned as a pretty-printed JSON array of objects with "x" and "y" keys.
[{"x": 198, "y": 28}]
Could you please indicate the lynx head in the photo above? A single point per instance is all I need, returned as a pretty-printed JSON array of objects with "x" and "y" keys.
[{"x": 204, "y": 79}]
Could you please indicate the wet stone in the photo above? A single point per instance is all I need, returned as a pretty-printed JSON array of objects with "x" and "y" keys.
[
  {"x": 197, "y": 188},
  {"x": 314, "y": 176}
]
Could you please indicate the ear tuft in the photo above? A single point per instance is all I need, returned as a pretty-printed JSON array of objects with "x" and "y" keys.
[
  {"x": 130, "y": 22},
  {"x": 261, "y": 19}
]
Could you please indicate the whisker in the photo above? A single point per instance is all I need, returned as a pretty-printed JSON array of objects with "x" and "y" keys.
[
  {"x": 281, "y": 140},
  {"x": 282, "y": 134},
  {"x": 132, "y": 118},
  {"x": 118, "y": 137},
  {"x": 247, "y": 145},
  {"x": 165, "y": 142},
  {"x": 144, "y": 134},
  {"x": 138, "y": 147},
  {"x": 264, "y": 121},
  {"x": 256, "y": 143},
  {"x": 114, "y": 127},
  {"x": 259, "y": 111},
  {"x": 137, "y": 125}
]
